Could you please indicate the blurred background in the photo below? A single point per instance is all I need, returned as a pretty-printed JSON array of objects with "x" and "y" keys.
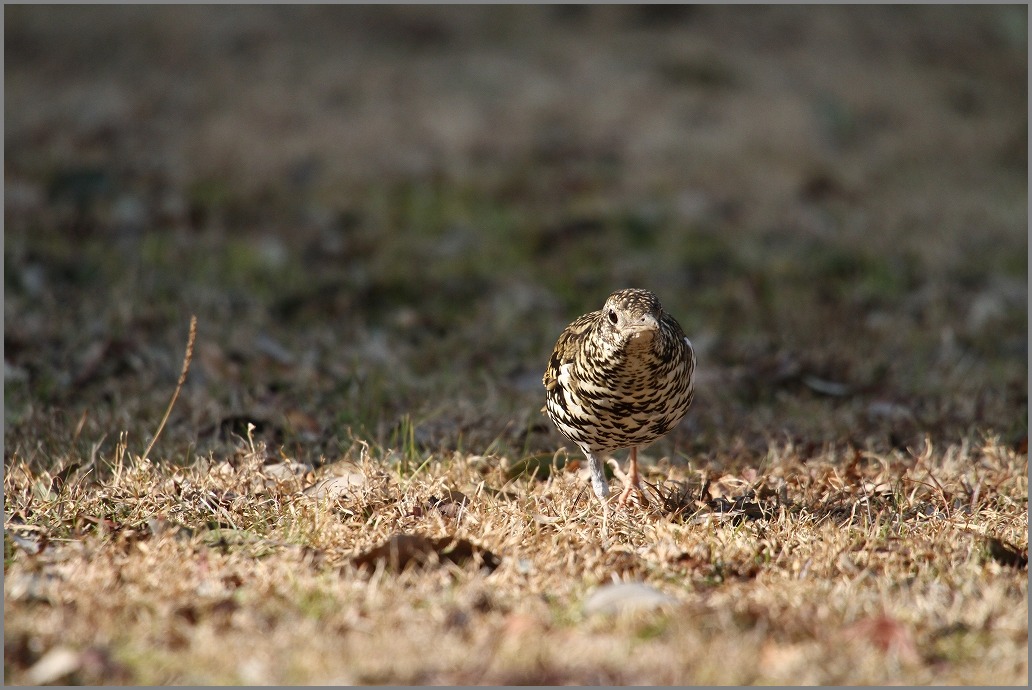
[{"x": 383, "y": 217}]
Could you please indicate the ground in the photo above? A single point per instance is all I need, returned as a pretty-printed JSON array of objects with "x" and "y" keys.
[{"x": 383, "y": 217}]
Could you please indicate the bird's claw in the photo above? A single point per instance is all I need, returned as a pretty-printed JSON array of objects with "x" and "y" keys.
[{"x": 626, "y": 495}]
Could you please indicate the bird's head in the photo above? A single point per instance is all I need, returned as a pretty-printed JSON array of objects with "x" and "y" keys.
[{"x": 631, "y": 318}]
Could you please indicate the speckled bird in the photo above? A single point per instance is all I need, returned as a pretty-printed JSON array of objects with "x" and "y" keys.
[{"x": 620, "y": 377}]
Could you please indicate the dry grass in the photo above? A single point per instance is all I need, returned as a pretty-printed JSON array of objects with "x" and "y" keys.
[
  {"x": 383, "y": 217},
  {"x": 865, "y": 569}
]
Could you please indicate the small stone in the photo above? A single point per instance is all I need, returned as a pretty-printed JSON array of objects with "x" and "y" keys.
[{"x": 626, "y": 597}]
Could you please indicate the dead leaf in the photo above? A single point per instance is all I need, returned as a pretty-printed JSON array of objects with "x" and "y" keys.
[
  {"x": 1007, "y": 554},
  {"x": 728, "y": 486},
  {"x": 59, "y": 479},
  {"x": 875, "y": 488},
  {"x": 451, "y": 503},
  {"x": 402, "y": 550},
  {"x": 539, "y": 466},
  {"x": 336, "y": 487},
  {"x": 740, "y": 509},
  {"x": 677, "y": 497},
  {"x": 286, "y": 471},
  {"x": 503, "y": 494}
]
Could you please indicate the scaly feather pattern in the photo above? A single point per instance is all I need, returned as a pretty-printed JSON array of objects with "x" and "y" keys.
[{"x": 620, "y": 377}]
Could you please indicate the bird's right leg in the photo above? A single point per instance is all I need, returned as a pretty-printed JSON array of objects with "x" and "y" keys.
[
  {"x": 598, "y": 474},
  {"x": 600, "y": 485}
]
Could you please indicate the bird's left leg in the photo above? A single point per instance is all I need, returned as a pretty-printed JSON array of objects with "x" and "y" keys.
[{"x": 632, "y": 480}]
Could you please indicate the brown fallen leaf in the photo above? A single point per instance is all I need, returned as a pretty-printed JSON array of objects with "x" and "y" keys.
[
  {"x": 503, "y": 494},
  {"x": 402, "y": 550},
  {"x": 728, "y": 486},
  {"x": 59, "y": 479},
  {"x": 286, "y": 471},
  {"x": 1007, "y": 554},
  {"x": 539, "y": 466},
  {"x": 451, "y": 503},
  {"x": 678, "y": 497},
  {"x": 740, "y": 509},
  {"x": 337, "y": 486}
]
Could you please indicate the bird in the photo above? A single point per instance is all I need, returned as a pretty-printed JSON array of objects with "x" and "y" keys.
[{"x": 620, "y": 377}]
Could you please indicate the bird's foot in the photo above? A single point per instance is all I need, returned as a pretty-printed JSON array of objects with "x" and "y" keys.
[{"x": 633, "y": 490}]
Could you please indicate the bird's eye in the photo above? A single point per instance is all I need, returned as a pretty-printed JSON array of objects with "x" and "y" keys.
[{"x": 612, "y": 316}]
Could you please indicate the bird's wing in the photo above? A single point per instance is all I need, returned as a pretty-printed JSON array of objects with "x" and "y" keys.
[
  {"x": 680, "y": 341},
  {"x": 570, "y": 341}
]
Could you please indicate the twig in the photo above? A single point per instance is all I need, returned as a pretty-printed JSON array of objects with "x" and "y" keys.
[{"x": 179, "y": 386}]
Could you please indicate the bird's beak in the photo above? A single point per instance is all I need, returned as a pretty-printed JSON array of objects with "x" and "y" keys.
[{"x": 647, "y": 324}]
